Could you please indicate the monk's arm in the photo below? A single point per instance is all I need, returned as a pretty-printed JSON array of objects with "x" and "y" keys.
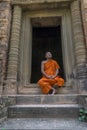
[
  {"x": 56, "y": 73},
  {"x": 42, "y": 70}
]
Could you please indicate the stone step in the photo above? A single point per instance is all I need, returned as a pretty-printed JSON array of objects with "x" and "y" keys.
[
  {"x": 42, "y": 124},
  {"x": 44, "y": 111},
  {"x": 35, "y": 89},
  {"x": 47, "y": 99}
]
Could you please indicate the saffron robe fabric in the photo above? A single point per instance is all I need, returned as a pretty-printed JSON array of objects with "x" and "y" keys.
[{"x": 45, "y": 83}]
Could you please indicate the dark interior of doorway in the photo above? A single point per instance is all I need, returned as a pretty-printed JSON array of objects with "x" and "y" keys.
[{"x": 45, "y": 39}]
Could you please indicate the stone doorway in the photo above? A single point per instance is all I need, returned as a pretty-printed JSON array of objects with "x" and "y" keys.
[
  {"x": 45, "y": 39},
  {"x": 33, "y": 24}
]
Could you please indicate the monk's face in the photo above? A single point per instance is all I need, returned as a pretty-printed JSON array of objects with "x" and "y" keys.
[{"x": 48, "y": 55}]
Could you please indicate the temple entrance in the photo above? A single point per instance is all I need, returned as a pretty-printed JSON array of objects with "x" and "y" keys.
[
  {"x": 41, "y": 34},
  {"x": 45, "y": 39}
]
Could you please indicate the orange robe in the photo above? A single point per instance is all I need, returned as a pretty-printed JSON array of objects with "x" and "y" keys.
[{"x": 50, "y": 69}]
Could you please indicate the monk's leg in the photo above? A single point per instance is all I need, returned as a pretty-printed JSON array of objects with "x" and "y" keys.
[
  {"x": 59, "y": 81},
  {"x": 44, "y": 83}
]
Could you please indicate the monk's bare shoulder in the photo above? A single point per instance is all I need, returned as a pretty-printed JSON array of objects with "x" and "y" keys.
[
  {"x": 42, "y": 66},
  {"x": 43, "y": 62}
]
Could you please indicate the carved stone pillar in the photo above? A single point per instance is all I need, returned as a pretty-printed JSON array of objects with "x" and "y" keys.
[
  {"x": 25, "y": 51},
  {"x": 79, "y": 45},
  {"x": 14, "y": 45},
  {"x": 14, "y": 51},
  {"x": 84, "y": 18}
]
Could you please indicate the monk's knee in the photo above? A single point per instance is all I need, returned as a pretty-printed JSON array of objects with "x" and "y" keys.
[{"x": 40, "y": 82}]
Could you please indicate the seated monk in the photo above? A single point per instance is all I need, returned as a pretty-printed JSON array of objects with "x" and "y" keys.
[{"x": 50, "y": 80}]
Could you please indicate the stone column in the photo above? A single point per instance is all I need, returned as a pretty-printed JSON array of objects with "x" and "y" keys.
[
  {"x": 67, "y": 47},
  {"x": 84, "y": 18},
  {"x": 25, "y": 51},
  {"x": 5, "y": 22},
  {"x": 79, "y": 45},
  {"x": 13, "y": 60}
]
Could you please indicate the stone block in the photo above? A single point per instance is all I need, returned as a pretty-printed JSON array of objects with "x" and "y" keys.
[
  {"x": 82, "y": 86},
  {"x": 10, "y": 88},
  {"x": 83, "y": 101}
]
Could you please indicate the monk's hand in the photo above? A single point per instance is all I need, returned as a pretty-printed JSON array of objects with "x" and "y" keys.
[
  {"x": 47, "y": 76},
  {"x": 51, "y": 77}
]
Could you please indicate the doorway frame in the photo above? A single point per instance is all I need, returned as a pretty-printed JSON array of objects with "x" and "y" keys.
[
  {"x": 26, "y": 47},
  {"x": 45, "y": 37}
]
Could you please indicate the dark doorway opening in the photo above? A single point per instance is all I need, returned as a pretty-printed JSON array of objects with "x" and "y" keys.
[{"x": 45, "y": 39}]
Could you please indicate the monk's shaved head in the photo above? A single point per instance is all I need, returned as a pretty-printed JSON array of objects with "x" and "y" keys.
[{"x": 48, "y": 55}]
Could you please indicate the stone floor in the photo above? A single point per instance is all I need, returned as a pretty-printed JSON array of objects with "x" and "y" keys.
[{"x": 43, "y": 124}]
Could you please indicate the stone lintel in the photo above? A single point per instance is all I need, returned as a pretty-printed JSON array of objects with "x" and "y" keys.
[
  {"x": 30, "y": 2},
  {"x": 5, "y": 1},
  {"x": 42, "y": 4}
]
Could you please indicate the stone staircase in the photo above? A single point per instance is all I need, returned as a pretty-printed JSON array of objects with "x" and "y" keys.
[
  {"x": 32, "y": 105},
  {"x": 34, "y": 110},
  {"x": 45, "y": 106}
]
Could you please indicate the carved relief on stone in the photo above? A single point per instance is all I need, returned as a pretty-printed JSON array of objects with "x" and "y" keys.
[
  {"x": 5, "y": 19},
  {"x": 10, "y": 88}
]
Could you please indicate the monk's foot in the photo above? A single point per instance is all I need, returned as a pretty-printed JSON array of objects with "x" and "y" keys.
[
  {"x": 52, "y": 92},
  {"x": 56, "y": 87}
]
